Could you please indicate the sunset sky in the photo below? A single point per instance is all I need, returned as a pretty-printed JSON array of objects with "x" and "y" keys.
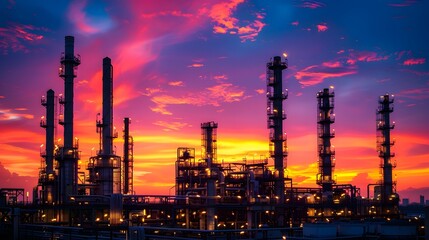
[{"x": 178, "y": 63}]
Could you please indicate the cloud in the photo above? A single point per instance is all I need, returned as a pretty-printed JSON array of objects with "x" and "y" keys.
[
  {"x": 16, "y": 36},
  {"x": 417, "y": 93},
  {"x": 260, "y": 91},
  {"x": 171, "y": 126},
  {"x": 151, "y": 91},
  {"x": 196, "y": 65},
  {"x": 311, "y": 4},
  {"x": 295, "y": 23},
  {"x": 222, "y": 15},
  {"x": 322, "y": 27},
  {"x": 315, "y": 74},
  {"x": 174, "y": 13},
  {"x": 364, "y": 56},
  {"x": 220, "y": 77},
  {"x": 88, "y": 23},
  {"x": 405, "y": 3},
  {"x": 214, "y": 96},
  {"x": 176, "y": 84},
  {"x": 11, "y": 115},
  {"x": 14, "y": 180},
  {"x": 414, "y": 61}
]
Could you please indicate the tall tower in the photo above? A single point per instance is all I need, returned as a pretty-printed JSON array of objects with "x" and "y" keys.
[
  {"x": 104, "y": 169},
  {"x": 47, "y": 174},
  {"x": 384, "y": 143},
  {"x": 209, "y": 153},
  {"x": 67, "y": 155},
  {"x": 128, "y": 159},
  {"x": 209, "y": 142},
  {"x": 275, "y": 97},
  {"x": 325, "y": 117}
]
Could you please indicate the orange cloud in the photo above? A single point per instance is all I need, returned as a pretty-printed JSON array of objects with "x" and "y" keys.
[
  {"x": 260, "y": 91},
  {"x": 176, "y": 84},
  {"x": 322, "y": 27},
  {"x": 214, "y": 96},
  {"x": 10, "y": 115},
  {"x": 196, "y": 65},
  {"x": 169, "y": 126},
  {"x": 222, "y": 15},
  {"x": 414, "y": 61}
]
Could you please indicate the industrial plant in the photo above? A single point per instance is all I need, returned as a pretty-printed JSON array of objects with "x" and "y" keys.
[{"x": 251, "y": 199}]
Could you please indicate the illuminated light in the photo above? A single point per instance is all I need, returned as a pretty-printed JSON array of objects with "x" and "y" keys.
[
  {"x": 121, "y": 220},
  {"x": 97, "y": 219},
  {"x": 239, "y": 197},
  {"x": 53, "y": 220},
  {"x": 105, "y": 215},
  {"x": 43, "y": 215},
  {"x": 285, "y": 54},
  {"x": 72, "y": 199}
]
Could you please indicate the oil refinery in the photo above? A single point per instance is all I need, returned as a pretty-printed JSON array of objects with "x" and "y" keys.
[{"x": 252, "y": 199}]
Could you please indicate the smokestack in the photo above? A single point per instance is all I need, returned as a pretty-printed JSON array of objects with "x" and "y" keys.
[
  {"x": 325, "y": 106},
  {"x": 384, "y": 143},
  {"x": 128, "y": 159},
  {"x": 69, "y": 152},
  {"x": 50, "y": 116},
  {"x": 107, "y": 107}
]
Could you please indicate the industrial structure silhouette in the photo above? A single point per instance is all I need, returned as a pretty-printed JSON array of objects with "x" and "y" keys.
[{"x": 213, "y": 200}]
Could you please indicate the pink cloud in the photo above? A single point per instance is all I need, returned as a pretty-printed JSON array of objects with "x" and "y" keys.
[
  {"x": 295, "y": 23},
  {"x": 16, "y": 36},
  {"x": 332, "y": 64},
  {"x": 365, "y": 56},
  {"x": 414, "y": 61},
  {"x": 322, "y": 27},
  {"x": 83, "y": 22},
  {"x": 222, "y": 15},
  {"x": 315, "y": 74},
  {"x": 175, "y": 13},
  {"x": 405, "y": 3},
  {"x": 418, "y": 73},
  {"x": 176, "y": 84},
  {"x": 417, "y": 93},
  {"x": 312, "y": 4}
]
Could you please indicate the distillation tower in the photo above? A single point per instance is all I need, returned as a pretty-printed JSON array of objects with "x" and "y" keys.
[
  {"x": 47, "y": 174},
  {"x": 67, "y": 155},
  {"x": 326, "y": 152},
  {"x": 104, "y": 169},
  {"x": 384, "y": 144},
  {"x": 275, "y": 113},
  {"x": 128, "y": 159}
]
